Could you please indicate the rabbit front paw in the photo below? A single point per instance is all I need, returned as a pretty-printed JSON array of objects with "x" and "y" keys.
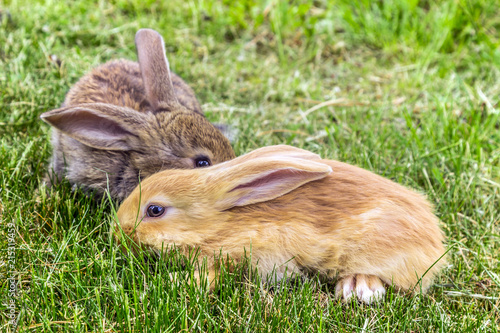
[{"x": 367, "y": 288}]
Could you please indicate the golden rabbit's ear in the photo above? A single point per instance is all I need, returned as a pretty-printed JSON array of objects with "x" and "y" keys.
[
  {"x": 263, "y": 179},
  {"x": 281, "y": 151},
  {"x": 98, "y": 125},
  {"x": 155, "y": 70}
]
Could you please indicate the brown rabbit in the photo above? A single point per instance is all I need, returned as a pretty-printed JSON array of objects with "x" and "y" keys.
[
  {"x": 125, "y": 121},
  {"x": 294, "y": 211}
]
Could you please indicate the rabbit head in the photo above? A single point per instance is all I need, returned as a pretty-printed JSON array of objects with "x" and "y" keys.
[
  {"x": 195, "y": 200},
  {"x": 125, "y": 121},
  {"x": 295, "y": 211}
]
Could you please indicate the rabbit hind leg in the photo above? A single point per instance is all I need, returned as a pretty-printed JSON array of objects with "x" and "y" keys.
[{"x": 367, "y": 288}]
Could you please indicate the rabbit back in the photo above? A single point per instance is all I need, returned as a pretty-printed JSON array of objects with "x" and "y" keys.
[
  {"x": 119, "y": 82},
  {"x": 350, "y": 222}
]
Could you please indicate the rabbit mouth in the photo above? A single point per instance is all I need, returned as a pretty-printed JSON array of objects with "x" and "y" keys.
[{"x": 173, "y": 257}]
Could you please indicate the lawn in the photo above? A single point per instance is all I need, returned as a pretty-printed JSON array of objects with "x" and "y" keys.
[{"x": 406, "y": 89}]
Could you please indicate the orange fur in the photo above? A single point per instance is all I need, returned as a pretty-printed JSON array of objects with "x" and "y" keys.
[{"x": 342, "y": 221}]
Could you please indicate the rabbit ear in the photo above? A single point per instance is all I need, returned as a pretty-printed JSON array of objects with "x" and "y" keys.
[
  {"x": 264, "y": 179},
  {"x": 98, "y": 125},
  {"x": 281, "y": 150},
  {"x": 155, "y": 70}
]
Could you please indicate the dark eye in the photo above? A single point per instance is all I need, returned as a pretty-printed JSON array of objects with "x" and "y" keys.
[
  {"x": 155, "y": 211},
  {"x": 201, "y": 162}
]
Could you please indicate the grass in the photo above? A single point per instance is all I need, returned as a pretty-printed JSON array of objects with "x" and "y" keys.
[{"x": 413, "y": 89}]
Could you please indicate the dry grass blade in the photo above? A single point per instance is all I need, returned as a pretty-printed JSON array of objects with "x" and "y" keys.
[{"x": 342, "y": 102}]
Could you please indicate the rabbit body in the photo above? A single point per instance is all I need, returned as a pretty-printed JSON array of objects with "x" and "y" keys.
[
  {"x": 295, "y": 214},
  {"x": 119, "y": 82},
  {"x": 124, "y": 121}
]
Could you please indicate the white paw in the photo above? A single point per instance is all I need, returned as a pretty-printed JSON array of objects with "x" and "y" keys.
[{"x": 367, "y": 288}]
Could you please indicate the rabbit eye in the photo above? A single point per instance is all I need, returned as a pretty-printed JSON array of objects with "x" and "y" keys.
[
  {"x": 201, "y": 162},
  {"x": 155, "y": 211}
]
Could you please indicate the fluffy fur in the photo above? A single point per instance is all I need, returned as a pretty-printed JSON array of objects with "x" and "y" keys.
[
  {"x": 125, "y": 121},
  {"x": 295, "y": 211}
]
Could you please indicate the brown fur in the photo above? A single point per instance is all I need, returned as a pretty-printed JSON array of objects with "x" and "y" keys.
[
  {"x": 125, "y": 121},
  {"x": 119, "y": 82},
  {"x": 312, "y": 215}
]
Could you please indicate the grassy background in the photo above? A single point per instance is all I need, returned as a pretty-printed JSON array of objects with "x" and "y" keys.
[{"x": 413, "y": 92}]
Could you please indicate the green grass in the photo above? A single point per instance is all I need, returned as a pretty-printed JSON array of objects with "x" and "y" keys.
[{"x": 414, "y": 88}]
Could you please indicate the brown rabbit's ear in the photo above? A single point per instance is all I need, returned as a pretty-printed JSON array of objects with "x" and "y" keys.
[
  {"x": 264, "y": 179},
  {"x": 98, "y": 125},
  {"x": 155, "y": 70}
]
